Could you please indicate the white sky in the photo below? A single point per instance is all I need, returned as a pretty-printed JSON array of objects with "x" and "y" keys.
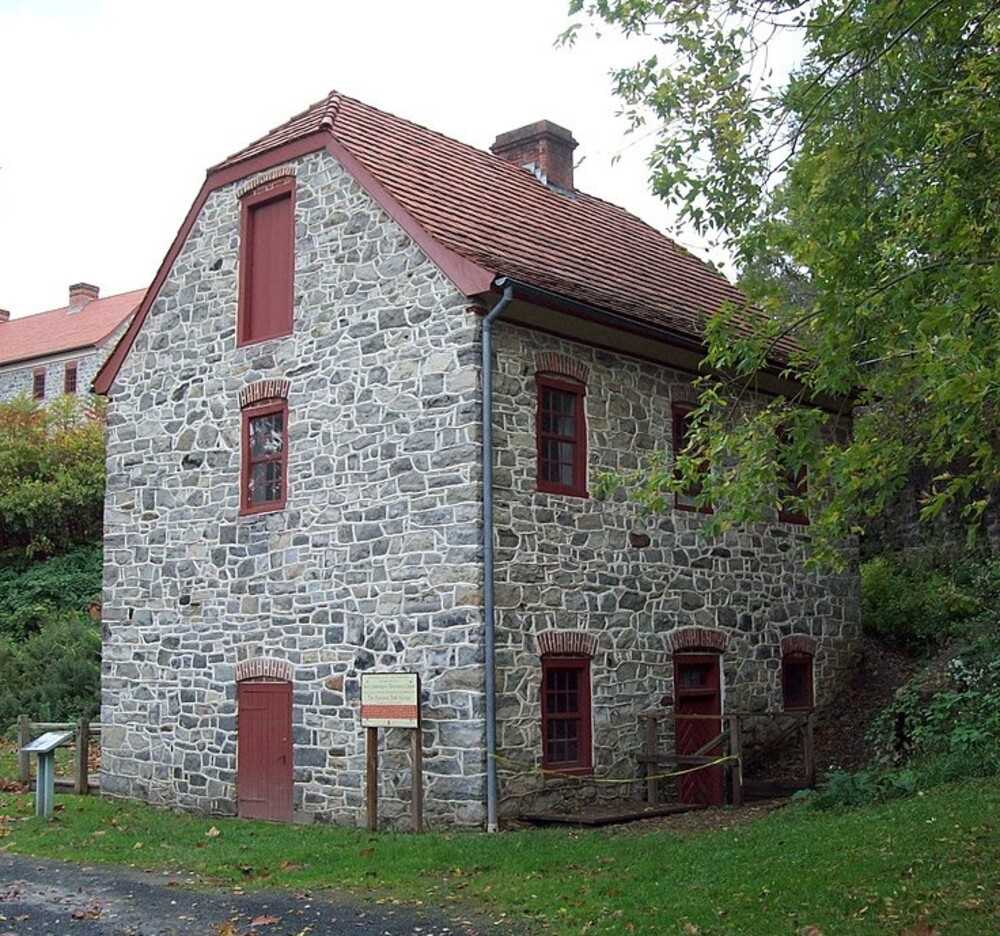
[{"x": 111, "y": 110}]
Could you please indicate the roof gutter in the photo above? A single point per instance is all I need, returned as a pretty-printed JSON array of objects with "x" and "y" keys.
[{"x": 489, "y": 609}]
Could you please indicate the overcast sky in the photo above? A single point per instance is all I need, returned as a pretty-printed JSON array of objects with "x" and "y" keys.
[{"x": 111, "y": 110}]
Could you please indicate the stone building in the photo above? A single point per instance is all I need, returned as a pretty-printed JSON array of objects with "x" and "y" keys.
[
  {"x": 48, "y": 354},
  {"x": 296, "y": 488}
]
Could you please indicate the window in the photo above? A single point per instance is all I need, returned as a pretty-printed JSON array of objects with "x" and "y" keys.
[
  {"x": 69, "y": 378},
  {"x": 566, "y": 713},
  {"x": 797, "y": 680},
  {"x": 38, "y": 384},
  {"x": 794, "y": 486},
  {"x": 265, "y": 458},
  {"x": 267, "y": 263},
  {"x": 681, "y": 425},
  {"x": 561, "y": 435}
]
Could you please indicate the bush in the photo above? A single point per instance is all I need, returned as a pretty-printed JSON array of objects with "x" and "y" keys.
[
  {"x": 51, "y": 476},
  {"x": 33, "y": 593},
  {"x": 54, "y": 675},
  {"x": 918, "y": 603}
]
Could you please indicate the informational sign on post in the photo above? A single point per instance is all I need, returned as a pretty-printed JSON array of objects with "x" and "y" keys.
[{"x": 390, "y": 700}]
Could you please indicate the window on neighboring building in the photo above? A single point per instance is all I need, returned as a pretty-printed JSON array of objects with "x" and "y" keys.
[
  {"x": 38, "y": 384},
  {"x": 69, "y": 378},
  {"x": 265, "y": 457},
  {"x": 566, "y": 713},
  {"x": 561, "y": 435},
  {"x": 681, "y": 417},
  {"x": 797, "y": 680},
  {"x": 267, "y": 263}
]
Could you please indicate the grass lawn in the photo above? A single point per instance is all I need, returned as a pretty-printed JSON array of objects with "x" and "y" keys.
[{"x": 930, "y": 864}]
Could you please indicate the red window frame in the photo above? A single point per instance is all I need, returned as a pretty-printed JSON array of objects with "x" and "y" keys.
[
  {"x": 679, "y": 416},
  {"x": 247, "y": 463},
  {"x": 805, "y": 701},
  {"x": 38, "y": 383},
  {"x": 284, "y": 188},
  {"x": 578, "y": 488},
  {"x": 69, "y": 378},
  {"x": 580, "y": 713}
]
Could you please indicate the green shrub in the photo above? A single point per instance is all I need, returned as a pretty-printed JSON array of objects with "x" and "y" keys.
[
  {"x": 33, "y": 593},
  {"x": 51, "y": 476},
  {"x": 917, "y": 603},
  {"x": 54, "y": 675}
]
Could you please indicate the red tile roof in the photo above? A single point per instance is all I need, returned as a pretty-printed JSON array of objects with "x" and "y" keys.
[
  {"x": 503, "y": 218},
  {"x": 52, "y": 332}
]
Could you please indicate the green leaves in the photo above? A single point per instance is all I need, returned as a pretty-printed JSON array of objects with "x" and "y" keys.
[{"x": 857, "y": 187}]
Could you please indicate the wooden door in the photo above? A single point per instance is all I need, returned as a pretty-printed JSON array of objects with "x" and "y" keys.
[
  {"x": 697, "y": 692},
  {"x": 264, "y": 751}
]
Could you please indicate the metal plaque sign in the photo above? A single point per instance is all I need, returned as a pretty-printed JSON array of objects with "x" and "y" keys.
[
  {"x": 47, "y": 742},
  {"x": 390, "y": 700}
]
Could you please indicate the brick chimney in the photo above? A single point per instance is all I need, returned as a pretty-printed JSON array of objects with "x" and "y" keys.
[
  {"x": 80, "y": 294},
  {"x": 4, "y": 315},
  {"x": 543, "y": 147}
]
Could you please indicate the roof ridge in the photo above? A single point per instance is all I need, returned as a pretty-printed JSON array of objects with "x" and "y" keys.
[{"x": 63, "y": 308}]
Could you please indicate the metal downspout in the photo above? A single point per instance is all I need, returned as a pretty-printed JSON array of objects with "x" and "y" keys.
[{"x": 489, "y": 608}]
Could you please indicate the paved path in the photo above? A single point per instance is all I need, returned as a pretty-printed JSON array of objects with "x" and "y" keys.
[{"x": 53, "y": 898}]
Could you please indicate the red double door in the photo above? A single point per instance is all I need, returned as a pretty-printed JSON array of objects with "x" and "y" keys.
[
  {"x": 264, "y": 751},
  {"x": 697, "y": 691}
]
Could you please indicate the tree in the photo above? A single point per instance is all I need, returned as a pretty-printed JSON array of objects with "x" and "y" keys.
[
  {"x": 858, "y": 193},
  {"x": 51, "y": 476}
]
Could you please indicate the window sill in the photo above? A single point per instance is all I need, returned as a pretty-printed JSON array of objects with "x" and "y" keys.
[
  {"x": 264, "y": 509},
  {"x": 544, "y": 488},
  {"x": 553, "y": 771},
  {"x": 797, "y": 519},
  {"x": 250, "y": 342},
  {"x": 689, "y": 508}
]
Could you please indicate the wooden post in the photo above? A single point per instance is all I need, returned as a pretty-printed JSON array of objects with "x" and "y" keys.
[
  {"x": 23, "y": 738},
  {"x": 651, "y": 765},
  {"x": 82, "y": 785},
  {"x": 809, "y": 749},
  {"x": 417, "y": 741},
  {"x": 736, "y": 749},
  {"x": 371, "y": 777}
]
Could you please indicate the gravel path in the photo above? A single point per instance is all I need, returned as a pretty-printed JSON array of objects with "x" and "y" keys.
[{"x": 52, "y": 898}]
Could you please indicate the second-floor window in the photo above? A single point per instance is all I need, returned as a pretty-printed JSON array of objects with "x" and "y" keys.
[
  {"x": 267, "y": 263},
  {"x": 38, "y": 384},
  {"x": 69, "y": 378},
  {"x": 265, "y": 458},
  {"x": 681, "y": 417},
  {"x": 561, "y": 436}
]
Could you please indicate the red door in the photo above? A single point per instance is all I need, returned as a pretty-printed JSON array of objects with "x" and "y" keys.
[
  {"x": 264, "y": 751},
  {"x": 696, "y": 692}
]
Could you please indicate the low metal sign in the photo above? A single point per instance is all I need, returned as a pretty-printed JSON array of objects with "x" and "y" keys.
[
  {"x": 390, "y": 700},
  {"x": 48, "y": 742}
]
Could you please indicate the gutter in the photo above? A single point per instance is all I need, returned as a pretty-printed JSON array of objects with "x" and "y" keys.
[{"x": 488, "y": 599}]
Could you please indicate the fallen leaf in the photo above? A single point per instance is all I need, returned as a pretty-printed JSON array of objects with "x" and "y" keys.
[
  {"x": 265, "y": 920},
  {"x": 920, "y": 928},
  {"x": 213, "y": 833}
]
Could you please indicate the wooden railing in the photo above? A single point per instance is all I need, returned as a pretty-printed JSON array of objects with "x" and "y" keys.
[
  {"x": 81, "y": 782},
  {"x": 729, "y": 743}
]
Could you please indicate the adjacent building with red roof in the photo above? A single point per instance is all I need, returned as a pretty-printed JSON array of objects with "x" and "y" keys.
[
  {"x": 60, "y": 351},
  {"x": 356, "y": 427}
]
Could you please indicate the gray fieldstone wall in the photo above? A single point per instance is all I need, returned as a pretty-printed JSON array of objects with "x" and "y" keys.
[
  {"x": 374, "y": 564},
  {"x": 18, "y": 379},
  {"x": 631, "y": 582}
]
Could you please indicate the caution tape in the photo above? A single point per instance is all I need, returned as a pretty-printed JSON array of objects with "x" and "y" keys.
[{"x": 548, "y": 772}]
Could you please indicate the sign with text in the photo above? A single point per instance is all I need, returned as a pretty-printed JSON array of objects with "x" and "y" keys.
[{"x": 390, "y": 700}]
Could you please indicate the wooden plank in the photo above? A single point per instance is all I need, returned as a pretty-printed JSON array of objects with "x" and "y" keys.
[
  {"x": 640, "y": 811},
  {"x": 82, "y": 786},
  {"x": 736, "y": 750},
  {"x": 665, "y": 760},
  {"x": 23, "y": 758},
  {"x": 809, "y": 750},
  {"x": 417, "y": 741},
  {"x": 708, "y": 745},
  {"x": 652, "y": 794},
  {"x": 371, "y": 777}
]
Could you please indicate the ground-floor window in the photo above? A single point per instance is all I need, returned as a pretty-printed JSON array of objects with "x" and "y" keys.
[
  {"x": 797, "y": 680},
  {"x": 566, "y": 713}
]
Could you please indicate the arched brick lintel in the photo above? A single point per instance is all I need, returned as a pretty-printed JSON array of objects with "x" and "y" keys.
[
  {"x": 566, "y": 643},
  {"x": 262, "y": 390},
  {"x": 798, "y": 643},
  {"x": 551, "y": 362},
  {"x": 265, "y": 178},
  {"x": 264, "y": 666},
  {"x": 697, "y": 638}
]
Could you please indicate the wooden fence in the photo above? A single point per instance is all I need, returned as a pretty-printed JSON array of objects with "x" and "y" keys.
[
  {"x": 728, "y": 743},
  {"x": 80, "y": 782}
]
